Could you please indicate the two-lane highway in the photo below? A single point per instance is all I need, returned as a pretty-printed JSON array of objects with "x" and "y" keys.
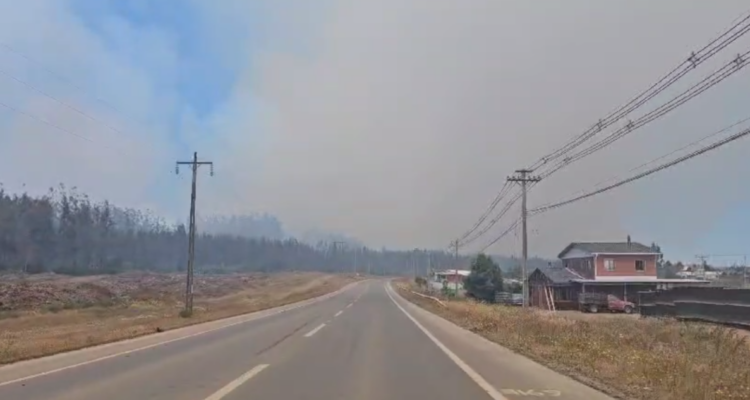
[{"x": 363, "y": 343}]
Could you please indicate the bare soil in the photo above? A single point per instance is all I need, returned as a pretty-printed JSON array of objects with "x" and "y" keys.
[{"x": 44, "y": 315}]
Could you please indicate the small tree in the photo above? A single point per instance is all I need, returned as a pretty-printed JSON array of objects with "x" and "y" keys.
[
  {"x": 485, "y": 279},
  {"x": 515, "y": 272},
  {"x": 514, "y": 287},
  {"x": 660, "y": 257}
]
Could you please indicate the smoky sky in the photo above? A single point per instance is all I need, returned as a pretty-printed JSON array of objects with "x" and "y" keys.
[{"x": 395, "y": 122}]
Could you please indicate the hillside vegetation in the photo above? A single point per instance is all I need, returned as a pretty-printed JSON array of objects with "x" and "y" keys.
[{"x": 66, "y": 233}]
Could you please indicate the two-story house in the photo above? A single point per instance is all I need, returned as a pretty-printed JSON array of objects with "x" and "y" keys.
[
  {"x": 618, "y": 268},
  {"x": 611, "y": 262}
]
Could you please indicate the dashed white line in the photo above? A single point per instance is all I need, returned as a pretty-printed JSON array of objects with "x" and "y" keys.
[
  {"x": 314, "y": 331},
  {"x": 350, "y": 304},
  {"x": 221, "y": 393},
  {"x": 338, "y": 313},
  {"x": 473, "y": 375}
]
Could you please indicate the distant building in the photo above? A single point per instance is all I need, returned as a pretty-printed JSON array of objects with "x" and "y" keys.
[{"x": 452, "y": 275}]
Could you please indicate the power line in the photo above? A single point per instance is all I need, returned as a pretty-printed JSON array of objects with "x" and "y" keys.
[
  {"x": 739, "y": 62},
  {"x": 59, "y": 76},
  {"x": 500, "y": 195},
  {"x": 52, "y": 125},
  {"x": 55, "y": 99},
  {"x": 687, "y": 146},
  {"x": 494, "y": 220},
  {"x": 661, "y": 167},
  {"x": 696, "y": 58},
  {"x": 513, "y": 226},
  {"x": 62, "y": 102}
]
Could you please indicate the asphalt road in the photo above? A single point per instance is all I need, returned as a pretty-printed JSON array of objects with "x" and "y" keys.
[{"x": 363, "y": 343}]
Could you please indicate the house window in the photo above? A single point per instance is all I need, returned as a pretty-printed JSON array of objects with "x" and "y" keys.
[
  {"x": 609, "y": 264},
  {"x": 640, "y": 266}
]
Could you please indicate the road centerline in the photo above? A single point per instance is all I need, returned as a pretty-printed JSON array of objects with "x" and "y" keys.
[
  {"x": 231, "y": 386},
  {"x": 315, "y": 330}
]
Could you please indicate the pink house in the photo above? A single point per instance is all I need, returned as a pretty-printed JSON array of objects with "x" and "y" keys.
[{"x": 621, "y": 269}]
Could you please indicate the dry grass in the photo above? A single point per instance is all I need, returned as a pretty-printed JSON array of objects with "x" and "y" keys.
[
  {"x": 44, "y": 331},
  {"x": 629, "y": 357}
]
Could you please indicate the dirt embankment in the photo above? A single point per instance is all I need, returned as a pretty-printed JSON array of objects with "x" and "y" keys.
[
  {"x": 628, "y": 357},
  {"x": 43, "y": 315}
]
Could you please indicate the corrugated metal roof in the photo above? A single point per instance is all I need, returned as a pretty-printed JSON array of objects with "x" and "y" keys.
[
  {"x": 558, "y": 274},
  {"x": 608, "y": 247}
]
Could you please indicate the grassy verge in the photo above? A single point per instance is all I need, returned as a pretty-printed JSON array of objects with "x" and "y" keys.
[
  {"x": 632, "y": 358},
  {"x": 36, "y": 333}
]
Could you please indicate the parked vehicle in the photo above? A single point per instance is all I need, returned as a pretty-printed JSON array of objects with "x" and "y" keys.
[
  {"x": 595, "y": 302},
  {"x": 509, "y": 299}
]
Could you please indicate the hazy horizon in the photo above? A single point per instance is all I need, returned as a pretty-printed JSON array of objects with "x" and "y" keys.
[{"x": 394, "y": 123}]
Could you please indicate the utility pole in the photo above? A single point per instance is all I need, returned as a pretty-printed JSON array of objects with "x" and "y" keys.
[
  {"x": 355, "y": 260},
  {"x": 523, "y": 177},
  {"x": 194, "y": 164},
  {"x": 334, "y": 243},
  {"x": 429, "y": 272},
  {"x": 703, "y": 264},
  {"x": 429, "y": 264},
  {"x": 455, "y": 265}
]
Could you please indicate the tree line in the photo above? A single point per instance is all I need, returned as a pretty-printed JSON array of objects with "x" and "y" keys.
[{"x": 65, "y": 232}]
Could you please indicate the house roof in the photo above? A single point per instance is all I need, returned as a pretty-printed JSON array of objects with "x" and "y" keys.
[
  {"x": 608, "y": 248},
  {"x": 559, "y": 274},
  {"x": 462, "y": 272}
]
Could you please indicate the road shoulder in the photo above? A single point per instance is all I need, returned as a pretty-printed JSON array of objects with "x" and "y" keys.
[{"x": 510, "y": 373}]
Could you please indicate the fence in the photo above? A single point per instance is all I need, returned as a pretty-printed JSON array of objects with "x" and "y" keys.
[{"x": 710, "y": 304}]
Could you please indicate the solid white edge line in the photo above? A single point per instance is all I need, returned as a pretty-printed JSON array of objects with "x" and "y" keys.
[
  {"x": 237, "y": 382},
  {"x": 122, "y": 353},
  {"x": 315, "y": 330},
  {"x": 473, "y": 375}
]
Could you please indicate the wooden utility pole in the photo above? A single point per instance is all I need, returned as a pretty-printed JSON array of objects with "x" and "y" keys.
[
  {"x": 429, "y": 272},
  {"x": 194, "y": 164},
  {"x": 355, "y": 261},
  {"x": 455, "y": 264},
  {"x": 523, "y": 177},
  {"x": 413, "y": 262}
]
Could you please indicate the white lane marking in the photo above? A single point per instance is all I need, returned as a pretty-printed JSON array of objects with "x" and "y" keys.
[
  {"x": 338, "y": 313},
  {"x": 315, "y": 330},
  {"x": 122, "y": 353},
  {"x": 473, "y": 375},
  {"x": 237, "y": 382},
  {"x": 350, "y": 304}
]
